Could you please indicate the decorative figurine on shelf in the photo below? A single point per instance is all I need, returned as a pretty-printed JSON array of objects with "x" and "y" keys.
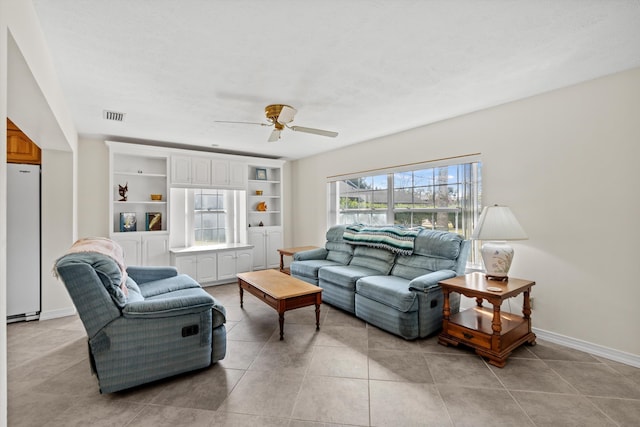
[
  {"x": 122, "y": 191},
  {"x": 262, "y": 207},
  {"x": 261, "y": 224}
]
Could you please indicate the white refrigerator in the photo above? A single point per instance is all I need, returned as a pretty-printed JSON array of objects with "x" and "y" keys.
[{"x": 23, "y": 242}]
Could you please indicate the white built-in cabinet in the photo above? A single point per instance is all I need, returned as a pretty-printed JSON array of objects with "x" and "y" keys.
[
  {"x": 147, "y": 170},
  {"x": 144, "y": 173},
  {"x": 264, "y": 213},
  {"x": 231, "y": 263},
  {"x": 205, "y": 171},
  {"x": 266, "y": 241},
  {"x": 214, "y": 265}
]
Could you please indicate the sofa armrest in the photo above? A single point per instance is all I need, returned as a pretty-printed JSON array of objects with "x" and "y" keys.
[
  {"x": 425, "y": 282},
  {"x": 319, "y": 253},
  {"x": 149, "y": 274},
  {"x": 168, "y": 307}
]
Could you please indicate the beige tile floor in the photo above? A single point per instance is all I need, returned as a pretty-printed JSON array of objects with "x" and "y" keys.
[{"x": 348, "y": 373}]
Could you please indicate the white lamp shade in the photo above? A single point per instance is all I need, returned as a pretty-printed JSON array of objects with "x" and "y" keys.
[{"x": 498, "y": 223}]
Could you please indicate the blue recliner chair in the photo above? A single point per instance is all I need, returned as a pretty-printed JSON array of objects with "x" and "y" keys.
[{"x": 161, "y": 325}]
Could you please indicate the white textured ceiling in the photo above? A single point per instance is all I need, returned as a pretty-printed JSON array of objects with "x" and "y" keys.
[{"x": 362, "y": 68}]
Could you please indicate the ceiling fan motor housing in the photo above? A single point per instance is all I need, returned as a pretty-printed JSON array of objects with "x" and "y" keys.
[{"x": 273, "y": 112}]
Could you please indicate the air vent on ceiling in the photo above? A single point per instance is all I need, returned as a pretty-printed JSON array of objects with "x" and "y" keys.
[{"x": 113, "y": 115}]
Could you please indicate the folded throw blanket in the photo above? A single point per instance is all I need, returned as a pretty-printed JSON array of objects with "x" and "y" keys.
[
  {"x": 103, "y": 246},
  {"x": 393, "y": 238}
]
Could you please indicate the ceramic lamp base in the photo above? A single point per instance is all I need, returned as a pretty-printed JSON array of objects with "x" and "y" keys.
[{"x": 497, "y": 257}]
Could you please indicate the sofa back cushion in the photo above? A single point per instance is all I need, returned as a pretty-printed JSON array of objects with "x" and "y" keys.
[
  {"x": 438, "y": 244},
  {"x": 433, "y": 251},
  {"x": 338, "y": 249},
  {"x": 339, "y": 252},
  {"x": 380, "y": 260}
]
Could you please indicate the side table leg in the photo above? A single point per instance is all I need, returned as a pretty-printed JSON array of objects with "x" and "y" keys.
[
  {"x": 241, "y": 293},
  {"x": 526, "y": 305},
  {"x": 281, "y": 261},
  {"x": 317, "y": 317},
  {"x": 496, "y": 324}
]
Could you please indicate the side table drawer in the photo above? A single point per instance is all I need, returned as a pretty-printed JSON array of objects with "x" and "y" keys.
[{"x": 470, "y": 336}]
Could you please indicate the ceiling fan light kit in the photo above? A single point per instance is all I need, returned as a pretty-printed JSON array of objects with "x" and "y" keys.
[{"x": 279, "y": 116}]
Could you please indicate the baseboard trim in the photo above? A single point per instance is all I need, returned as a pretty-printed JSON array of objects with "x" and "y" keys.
[
  {"x": 54, "y": 314},
  {"x": 587, "y": 347}
]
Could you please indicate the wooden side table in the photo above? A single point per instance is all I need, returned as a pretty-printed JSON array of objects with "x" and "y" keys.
[
  {"x": 492, "y": 333},
  {"x": 291, "y": 252}
]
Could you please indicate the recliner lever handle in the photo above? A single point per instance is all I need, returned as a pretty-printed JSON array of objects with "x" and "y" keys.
[{"x": 187, "y": 331}]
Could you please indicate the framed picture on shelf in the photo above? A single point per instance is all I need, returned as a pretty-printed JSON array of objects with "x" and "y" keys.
[
  {"x": 153, "y": 221},
  {"x": 127, "y": 221},
  {"x": 261, "y": 174}
]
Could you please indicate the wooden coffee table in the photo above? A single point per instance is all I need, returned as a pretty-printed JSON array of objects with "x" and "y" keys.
[{"x": 280, "y": 291}]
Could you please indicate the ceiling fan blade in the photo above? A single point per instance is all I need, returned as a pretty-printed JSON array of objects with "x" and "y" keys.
[
  {"x": 314, "y": 131},
  {"x": 275, "y": 135},
  {"x": 243, "y": 123},
  {"x": 286, "y": 115}
]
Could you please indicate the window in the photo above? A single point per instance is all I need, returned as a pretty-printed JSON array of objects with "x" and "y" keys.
[
  {"x": 364, "y": 200},
  {"x": 438, "y": 196},
  {"x": 209, "y": 221}
]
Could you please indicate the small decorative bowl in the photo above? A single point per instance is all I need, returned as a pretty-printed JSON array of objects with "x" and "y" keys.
[
  {"x": 156, "y": 197},
  {"x": 258, "y": 192}
]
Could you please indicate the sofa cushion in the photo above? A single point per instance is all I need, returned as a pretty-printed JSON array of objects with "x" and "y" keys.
[
  {"x": 391, "y": 291},
  {"x": 335, "y": 233},
  {"x": 438, "y": 244},
  {"x": 379, "y": 260},
  {"x": 339, "y": 257},
  {"x": 412, "y": 266},
  {"x": 105, "y": 268},
  {"x": 134, "y": 294},
  {"x": 169, "y": 284},
  {"x": 345, "y": 276},
  {"x": 309, "y": 268}
]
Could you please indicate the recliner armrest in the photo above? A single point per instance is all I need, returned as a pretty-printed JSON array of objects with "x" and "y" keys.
[
  {"x": 319, "y": 253},
  {"x": 427, "y": 281},
  {"x": 168, "y": 307},
  {"x": 149, "y": 274}
]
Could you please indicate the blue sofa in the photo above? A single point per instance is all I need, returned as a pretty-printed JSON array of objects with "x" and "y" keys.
[
  {"x": 162, "y": 325},
  {"x": 395, "y": 292}
]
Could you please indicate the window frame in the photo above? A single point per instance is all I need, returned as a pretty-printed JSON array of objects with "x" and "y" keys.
[{"x": 466, "y": 216}]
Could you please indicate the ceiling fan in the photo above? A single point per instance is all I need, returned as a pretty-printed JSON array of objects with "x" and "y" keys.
[{"x": 279, "y": 116}]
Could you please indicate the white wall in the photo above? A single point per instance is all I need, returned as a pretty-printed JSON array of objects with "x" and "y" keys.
[
  {"x": 566, "y": 163},
  {"x": 93, "y": 184},
  {"x": 31, "y": 96}
]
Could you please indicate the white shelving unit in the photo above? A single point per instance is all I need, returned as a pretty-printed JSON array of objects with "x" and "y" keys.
[
  {"x": 144, "y": 172},
  {"x": 271, "y": 189},
  {"x": 264, "y": 230}
]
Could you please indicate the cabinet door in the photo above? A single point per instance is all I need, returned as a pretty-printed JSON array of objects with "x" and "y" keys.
[
  {"x": 200, "y": 171},
  {"x": 237, "y": 175},
  {"x": 220, "y": 172},
  {"x": 187, "y": 264},
  {"x": 257, "y": 239},
  {"x": 207, "y": 268},
  {"x": 155, "y": 250},
  {"x": 226, "y": 265},
  {"x": 244, "y": 261},
  {"x": 180, "y": 170},
  {"x": 273, "y": 243},
  {"x": 131, "y": 247}
]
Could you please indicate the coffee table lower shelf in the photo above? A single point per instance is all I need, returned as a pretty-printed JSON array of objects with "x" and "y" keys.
[{"x": 473, "y": 328}]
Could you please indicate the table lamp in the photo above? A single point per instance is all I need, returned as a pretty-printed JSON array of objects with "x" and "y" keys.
[{"x": 496, "y": 225}]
